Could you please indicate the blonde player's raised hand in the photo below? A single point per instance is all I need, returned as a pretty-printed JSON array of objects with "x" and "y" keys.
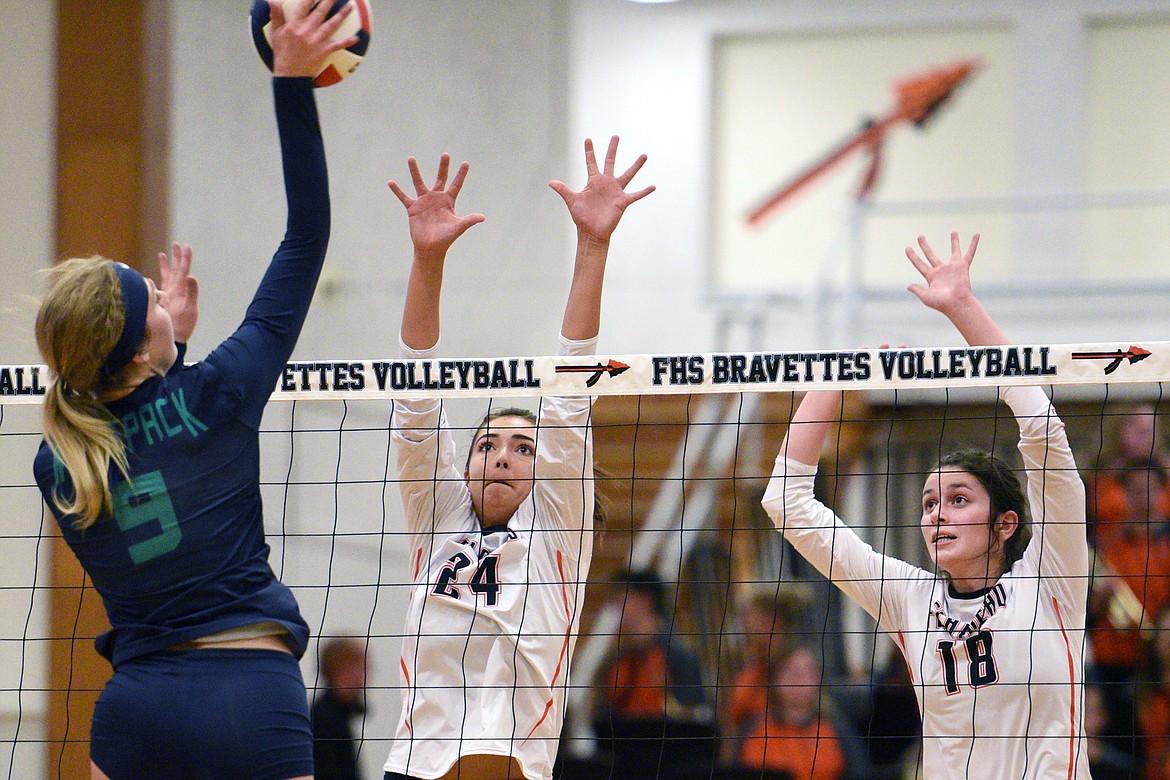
[
  {"x": 302, "y": 37},
  {"x": 181, "y": 288}
]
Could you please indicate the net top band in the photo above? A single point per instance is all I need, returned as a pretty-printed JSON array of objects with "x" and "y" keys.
[{"x": 675, "y": 373}]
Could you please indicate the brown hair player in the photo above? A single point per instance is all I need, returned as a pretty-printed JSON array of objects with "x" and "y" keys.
[
  {"x": 499, "y": 549},
  {"x": 994, "y": 636}
]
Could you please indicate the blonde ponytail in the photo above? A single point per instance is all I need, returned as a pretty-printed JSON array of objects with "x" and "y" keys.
[{"x": 78, "y": 325}]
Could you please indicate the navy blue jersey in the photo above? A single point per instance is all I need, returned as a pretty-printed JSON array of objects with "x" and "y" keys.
[{"x": 184, "y": 554}]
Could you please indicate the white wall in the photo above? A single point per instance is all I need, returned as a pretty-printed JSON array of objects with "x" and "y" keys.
[
  {"x": 27, "y": 168},
  {"x": 648, "y": 69},
  {"x": 27, "y": 172}
]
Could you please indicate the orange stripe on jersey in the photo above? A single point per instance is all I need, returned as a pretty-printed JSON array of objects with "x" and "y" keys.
[
  {"x": 417, "y": 567},
  {"x": 1072, "y": 708},
  {"x": 402, "y": 660},
  {"x": 409, "y": 696},
  {"x": 902, "y": 646},
  {"x": 564, "y": 645}
]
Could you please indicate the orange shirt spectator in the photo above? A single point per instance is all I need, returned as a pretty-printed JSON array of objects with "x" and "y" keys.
[
  {"x": 1154, "y": 719},
  {"x": 1154, "y": 702},
  {"x": 652, "y": 674},
  {"x": 638, "y": 684},
  {"x": 749, "y": 697},
  {"x": 795, "y": 734},
  {"x": 1142, "y": 566},
  {"x": 1135, "y": 554},
  {"x": 652, "y": 718},
  {"x": 809, "y": 752},
  {"x": 1109, "y": 504},
  {"x": 1134, "y": 441},
  {"x": 769, "y": 619}
]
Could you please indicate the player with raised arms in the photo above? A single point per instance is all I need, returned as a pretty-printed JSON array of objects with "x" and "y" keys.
[
  {"x": 994, "y": 636},
  {"x": 500, "y": 540},
  {"x": 152, "y": 470}
]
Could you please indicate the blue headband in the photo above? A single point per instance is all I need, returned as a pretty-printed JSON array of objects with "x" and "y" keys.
[{"x": 135, "y": 298}]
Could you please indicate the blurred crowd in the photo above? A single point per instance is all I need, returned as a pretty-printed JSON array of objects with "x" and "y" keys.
[{"x": 787, "y": 708}]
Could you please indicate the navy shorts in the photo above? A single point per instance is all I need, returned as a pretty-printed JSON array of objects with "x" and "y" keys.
[{"x": 206, "y": 714}]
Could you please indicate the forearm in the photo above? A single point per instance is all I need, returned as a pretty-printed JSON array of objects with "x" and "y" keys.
[
  {"x": 973, "y": 322},
  {"x": 251, "y": 359},
  {"x": 278, "y": 309},
  {"x": 303, "y": 158},
  {"x": 810, "y": 426},
  {"x": 420, "y": 314},
  {"x": 824, "y": 541},
  {"x": 1056, "y": 493},
  {"x": 582, "y": 319},
  {"x": 283, "y": 297}
]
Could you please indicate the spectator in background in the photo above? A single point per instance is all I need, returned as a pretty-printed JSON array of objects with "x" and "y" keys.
[
  {"x": 1154, "y": 700},
  {"x": 1135, "y": 440},
  {"x": 1131, "y": 584},
  {"x": 1106, "y": 761},
  {"x": 654, "y": 712},
  {"x": 800, "y": 732},
  {"x": 344, "y": 666},
  {"x": 769, "y": 619}
]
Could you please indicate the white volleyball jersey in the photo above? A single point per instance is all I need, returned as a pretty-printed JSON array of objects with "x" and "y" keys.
[
  {"x": 997, "y": 674},
  {"x": 492, "y": 619}
]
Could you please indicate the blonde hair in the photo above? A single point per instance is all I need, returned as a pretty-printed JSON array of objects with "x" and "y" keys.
[{"x": 78, "y": 325}]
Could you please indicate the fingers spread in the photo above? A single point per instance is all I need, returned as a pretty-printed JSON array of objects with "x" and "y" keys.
[
  {"x": 444, "y": 167},
  {"x": 457, "y": 182},
  {"x": 636, "y": 166},
  {"x": 420, "y": 186},
  {"x": 405, "y": 199},
  {"x": 922, "y": 266},
  {"x": 928, "y": 252},
  {"x": 635, "y": 196},
  {"x": 611, "y": 155},
  {"x": 469, "y": 220},
  {"x": 562, "y": 189},
  {"x": 971, "y": 248},
  {"x": 590, "y": 158}
]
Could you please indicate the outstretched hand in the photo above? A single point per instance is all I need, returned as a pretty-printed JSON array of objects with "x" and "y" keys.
[
  {"x": 948, "y": 284},
  {"x": 301, "y": 38},
  {"x": 434, "y": 225},
  {"x": 948, "y": 290},
  {"x": 597, "y": 209},
  {"x": 181, "y": 288}
]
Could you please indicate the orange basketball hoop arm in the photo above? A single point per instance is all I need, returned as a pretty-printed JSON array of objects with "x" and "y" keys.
[{"x": 919, "y": 97}]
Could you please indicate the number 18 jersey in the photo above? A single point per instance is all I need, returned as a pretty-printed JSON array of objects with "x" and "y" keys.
[{"x": 997, "y": 673}]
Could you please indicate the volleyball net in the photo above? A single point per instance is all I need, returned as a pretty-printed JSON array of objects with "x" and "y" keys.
[{"x": 684, "y": 444}]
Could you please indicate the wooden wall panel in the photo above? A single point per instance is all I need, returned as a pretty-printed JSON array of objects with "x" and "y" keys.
[
  {"x": 111, "y": 180},
  {"x": 99, "y": 191}
]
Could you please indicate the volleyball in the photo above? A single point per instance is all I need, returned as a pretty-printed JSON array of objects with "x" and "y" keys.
[{"x": 339, "y": 64}]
